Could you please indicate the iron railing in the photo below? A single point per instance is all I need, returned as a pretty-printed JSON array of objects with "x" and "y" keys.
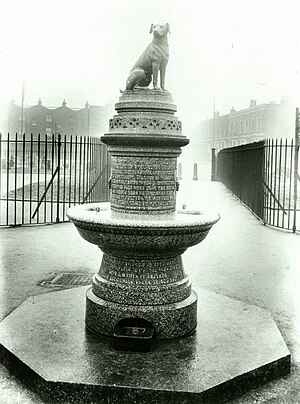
[
  {"x": 279, "y": 204},
  {"x": 264, "y": 175},
  {"x": 41, "y": 176},
  {"x": 241, "y": 169}
]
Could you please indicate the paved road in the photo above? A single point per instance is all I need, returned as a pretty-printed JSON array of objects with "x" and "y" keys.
[{"x": 240, "y": 258}]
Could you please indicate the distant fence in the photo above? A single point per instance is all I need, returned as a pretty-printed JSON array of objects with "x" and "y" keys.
[
  {"x": 41, "y": 176},
  {"x": 241, "y": 169},
  {"x": 264, "y": 175}
]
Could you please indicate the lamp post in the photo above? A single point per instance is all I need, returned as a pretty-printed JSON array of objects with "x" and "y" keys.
[{"x": 22, "y": 107}]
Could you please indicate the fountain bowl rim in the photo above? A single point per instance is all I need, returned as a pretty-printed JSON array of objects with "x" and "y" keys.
[{"x": 101, "y": 214}]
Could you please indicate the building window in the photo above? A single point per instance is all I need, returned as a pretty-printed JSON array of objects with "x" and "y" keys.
[
  {"x": 231, "y": 128},
  {"x": 235, "y": 128},
  {"x": 49, "y": 118},
  {"x": 48, "y": 131},
  {"x": 246, "y": 127},
  {"x": 252, "y": 124},
  {"x": 258, "y": 123},
  {"x": 241, "y": 127},
  {"x": 58, "y": 126},
  {"x": 33, "y": 123}
]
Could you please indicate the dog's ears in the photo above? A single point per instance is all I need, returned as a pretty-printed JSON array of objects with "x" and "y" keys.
[{"x": 167, "y": 25}]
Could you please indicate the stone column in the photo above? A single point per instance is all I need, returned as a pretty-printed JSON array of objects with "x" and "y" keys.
[{"x": 144, "y": 142}]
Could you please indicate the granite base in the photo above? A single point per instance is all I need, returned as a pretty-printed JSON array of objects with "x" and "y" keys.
[
  {"x": 236, "y": 347},
  {"x": 169, "y": 320}
]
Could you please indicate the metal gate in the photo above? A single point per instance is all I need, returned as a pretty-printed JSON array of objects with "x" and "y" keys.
[
  {"x": 281, "y": 199},
  {"x": 241, "y": 169},
  {"x": 41, "y": 176}
]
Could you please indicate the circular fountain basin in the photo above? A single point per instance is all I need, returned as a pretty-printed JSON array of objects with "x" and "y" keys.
[{"x": 109, "y": 229}]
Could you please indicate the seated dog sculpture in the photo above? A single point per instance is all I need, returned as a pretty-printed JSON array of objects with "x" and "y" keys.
[{"x": 153, "y": 59}]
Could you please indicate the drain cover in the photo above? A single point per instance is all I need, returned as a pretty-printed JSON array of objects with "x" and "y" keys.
[{"x": 68, "y": 279}]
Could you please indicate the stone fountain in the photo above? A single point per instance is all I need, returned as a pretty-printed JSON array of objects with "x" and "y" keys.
[
  {"x": 142, "y": 289},
  {"x": 140, "y": 232}
]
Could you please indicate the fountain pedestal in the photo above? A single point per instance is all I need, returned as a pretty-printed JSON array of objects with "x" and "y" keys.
[{"x": 141, "y": 234}]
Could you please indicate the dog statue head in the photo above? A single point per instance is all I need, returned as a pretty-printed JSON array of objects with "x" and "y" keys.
[{"x": 160, "y": 30}]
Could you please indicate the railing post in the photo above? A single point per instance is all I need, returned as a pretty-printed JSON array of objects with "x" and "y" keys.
[
  {"x": 213, "y": 165},
  {"x": 195, "y": 172},
  {"x": 58, "y": 175},
  {"x": 296, "y": 175}
]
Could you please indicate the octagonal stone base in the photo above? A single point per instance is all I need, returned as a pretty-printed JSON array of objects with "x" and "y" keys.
[{"x": 236, "y": 347}]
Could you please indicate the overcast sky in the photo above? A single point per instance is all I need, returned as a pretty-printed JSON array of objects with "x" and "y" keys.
[{"x": 83, "y": 50}]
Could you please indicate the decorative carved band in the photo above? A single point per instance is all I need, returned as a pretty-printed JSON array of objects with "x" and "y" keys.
[{"x": 168, "y": 125}]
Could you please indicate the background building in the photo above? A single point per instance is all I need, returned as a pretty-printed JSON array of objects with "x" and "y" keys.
[
  {"x": 88, "y": 121},
  {"x": 255, "y": 123}
]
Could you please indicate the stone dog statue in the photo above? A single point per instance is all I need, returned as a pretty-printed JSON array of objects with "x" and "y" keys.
[{"x": 153, "y": 59}]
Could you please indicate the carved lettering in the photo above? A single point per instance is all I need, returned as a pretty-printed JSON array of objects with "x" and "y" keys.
[
  {"x": 141, "y": 271},
  {"x": 143, "y": 183}
]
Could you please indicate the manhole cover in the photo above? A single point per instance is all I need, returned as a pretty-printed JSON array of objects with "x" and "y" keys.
[{"x": 68, "y": 279}]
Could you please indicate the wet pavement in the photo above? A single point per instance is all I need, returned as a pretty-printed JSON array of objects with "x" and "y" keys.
[{"x": 241, "y": 258}]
